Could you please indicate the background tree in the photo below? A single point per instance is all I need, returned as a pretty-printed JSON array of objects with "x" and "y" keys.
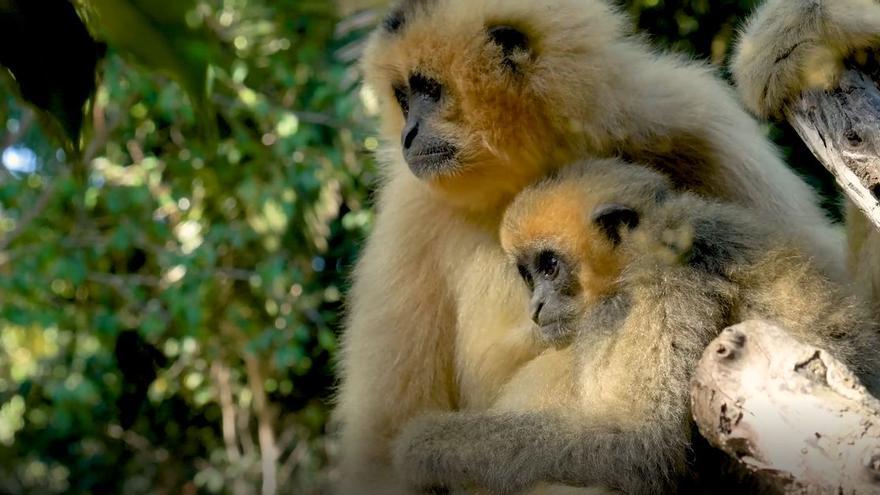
[{"x": 183, "y": 190}]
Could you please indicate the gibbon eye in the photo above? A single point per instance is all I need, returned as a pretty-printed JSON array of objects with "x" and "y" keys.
[
  {"x": 547, "y": 264},
  {"x": 509, "y": 39},
  {"x": 425, "y": 86},
  {"x": 526, "y": 276},
  {"x": 402, "y": 100}
]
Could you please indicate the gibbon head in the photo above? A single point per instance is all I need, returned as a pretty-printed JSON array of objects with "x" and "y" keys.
[
  {"x": 481, "y": 97},
  {"x": 564, "y": 235}
]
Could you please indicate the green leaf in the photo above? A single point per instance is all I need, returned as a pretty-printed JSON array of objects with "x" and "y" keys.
[
  {"x": 154, "y": 33},
  {"x": 49, "y": 51}
]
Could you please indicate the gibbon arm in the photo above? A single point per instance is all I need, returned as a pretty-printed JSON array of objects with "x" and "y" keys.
[
  {"x": 790, "y": 46},
  {"x": 507, "y": 452},
  {"x": 691, "y": 126}
]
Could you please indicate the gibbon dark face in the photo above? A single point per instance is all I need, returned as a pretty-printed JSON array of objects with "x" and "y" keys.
[
  {"x": 555, "y": 302},
  {"x": 424, "y": 148},
  {"x": 480, "y": 99}
]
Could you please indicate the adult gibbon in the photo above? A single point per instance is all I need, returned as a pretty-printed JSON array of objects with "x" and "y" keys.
[
  {"x": 629, "y": 281},
  {"x": 480, "y": 98}
]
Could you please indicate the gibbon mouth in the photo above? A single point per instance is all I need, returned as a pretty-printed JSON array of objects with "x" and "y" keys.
[
  {"x": 553, "y": 327},
  {"x": 432, "y": 161}
]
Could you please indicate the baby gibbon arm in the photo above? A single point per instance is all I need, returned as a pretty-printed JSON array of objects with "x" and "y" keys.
[
  {"x": 638, "y": 446},
  {"x": 790, "y": 46},
  {"x": 507, "y": 452}
]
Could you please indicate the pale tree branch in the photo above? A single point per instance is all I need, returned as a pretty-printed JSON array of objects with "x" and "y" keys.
[
  {"x": 841, "y": 128},
  {"x": 789, "y": 412},
  {"x": 220, "y": 374},
  {"x": 228, "y": 409},
  {"x": 265, "y": 428},
  {"x": 243, "y": 422}
]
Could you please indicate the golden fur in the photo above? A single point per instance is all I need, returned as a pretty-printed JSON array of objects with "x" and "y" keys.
[
  {"x": 436, "y": 319},
  {"x": 790, "y": 46},
  {"x": 612, "y": 408},
  {"x": 566, "y": 206}
]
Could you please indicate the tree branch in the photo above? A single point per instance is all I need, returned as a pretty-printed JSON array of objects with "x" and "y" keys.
[
  {"x": 220, "y": 373},
  {"x": 790, "y": 412},
  {"x": 265, "y": 428},
  {"x": 841, "y": 128}
]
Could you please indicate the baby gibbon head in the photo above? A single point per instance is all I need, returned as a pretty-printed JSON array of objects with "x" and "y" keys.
[
  {"x": 564, "y": 235},
  {"x": 481, "y": 97}
]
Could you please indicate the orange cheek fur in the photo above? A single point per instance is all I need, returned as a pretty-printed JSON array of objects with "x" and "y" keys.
[
  {"x": 497, "y": 119},
  {"x": 556, "y": 218}
]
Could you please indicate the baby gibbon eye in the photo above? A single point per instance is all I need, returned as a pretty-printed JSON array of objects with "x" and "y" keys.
[
  {"x": 510, "y": 40},
  {"x": 402, "y": 100},
  {"x": 547, "y": 264},
  {"x": 526, "y": 276}
]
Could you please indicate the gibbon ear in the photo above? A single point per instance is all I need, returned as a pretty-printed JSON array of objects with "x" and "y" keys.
[
  {"x": 611, "y": 217},
  {"x": 396, "y": 18}
]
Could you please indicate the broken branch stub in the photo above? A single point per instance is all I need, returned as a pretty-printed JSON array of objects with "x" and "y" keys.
[{"x": 789, "y": 412}]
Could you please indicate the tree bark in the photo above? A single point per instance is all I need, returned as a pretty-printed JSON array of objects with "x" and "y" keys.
[
  {"x": 791, "y": 413},
  {"x": 842, "y": 128}
]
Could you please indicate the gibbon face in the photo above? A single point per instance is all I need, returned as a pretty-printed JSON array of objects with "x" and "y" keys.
[
  {"x": 565, "y": 250},
  {"x": 481, "y": 98},
  {"x": 564, "y": 235}
]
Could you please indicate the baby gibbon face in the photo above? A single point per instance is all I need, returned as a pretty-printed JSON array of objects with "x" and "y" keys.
[
  {"x": 481, "y": 97},
  {"x": 564, "y": 283},
  {"x": 565, "y": 234}
]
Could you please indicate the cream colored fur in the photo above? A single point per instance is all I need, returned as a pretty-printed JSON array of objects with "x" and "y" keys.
[{"x": 436, "y": 317}]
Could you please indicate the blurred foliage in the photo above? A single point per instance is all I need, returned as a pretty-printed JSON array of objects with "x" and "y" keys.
[
  {"x": 170, "y": 286},
  {"x": 24, "y": 23},
  {"x": 169, "y": 299}
]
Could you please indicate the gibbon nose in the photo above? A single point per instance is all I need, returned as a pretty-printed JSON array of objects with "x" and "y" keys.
[
  {"x": 409, "y": 134},
  {"x": 536, "y": 307}
]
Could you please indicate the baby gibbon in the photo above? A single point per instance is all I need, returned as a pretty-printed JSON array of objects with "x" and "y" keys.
[{"x": 629, "y": 282}]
